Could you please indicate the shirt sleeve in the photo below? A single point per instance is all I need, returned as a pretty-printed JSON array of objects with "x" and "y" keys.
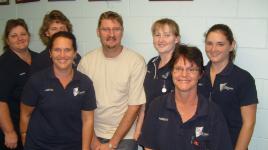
[
  {"x": 89, "y": 100},
  {"x": 7, "y": 83},
  {"x": 136, "y": 90},
  {"x": 247, "y": 92},
  {"x": 148, "y": 132},
  {"x": 30, "y": 93}
]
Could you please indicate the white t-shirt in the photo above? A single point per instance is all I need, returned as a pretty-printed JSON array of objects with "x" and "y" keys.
[{"x": 118, "y": 82}]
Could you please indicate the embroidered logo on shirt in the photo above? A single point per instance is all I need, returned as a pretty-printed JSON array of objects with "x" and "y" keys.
[
  {"x": 224, "y": 86},
  {"x": 200, "y": 84},
  {"x": 23, "y": 73},
  {"x": 163, "y": 119},
  {"x": 75, "y": 91},
  {"x": 48, "y": 90},
  {"x": 198, "y": 131}
]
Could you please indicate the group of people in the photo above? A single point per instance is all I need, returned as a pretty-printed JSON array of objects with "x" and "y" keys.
[{"x": 110, "y": 99}]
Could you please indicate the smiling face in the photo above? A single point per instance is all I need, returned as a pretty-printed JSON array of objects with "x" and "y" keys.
[
  {"x": 110, "y": 33},
  {"x": 185, "y": 75},
  {"x": 18, "y": 39},
  {"x": 218, "y": 48},
  {"x": 164, "y": 39},
  {"x": 62, "y": 54}
]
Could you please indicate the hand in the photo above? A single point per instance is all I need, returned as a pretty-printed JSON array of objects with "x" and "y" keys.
[
  {"x": 11, "y": 140},
  {"x": 136, "y": 135},
  {"x": 105, "y": 147},
  {"x": 95, "y": 145}
]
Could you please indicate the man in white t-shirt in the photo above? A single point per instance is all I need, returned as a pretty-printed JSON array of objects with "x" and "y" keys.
[{"x": 117, "y": 74}]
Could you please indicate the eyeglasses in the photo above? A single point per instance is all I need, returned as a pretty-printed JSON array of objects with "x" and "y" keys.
[
  {"x": 18, "y": 35},
  {"x": 191, "y": 70},
  {"x": 108, "y": 30}
]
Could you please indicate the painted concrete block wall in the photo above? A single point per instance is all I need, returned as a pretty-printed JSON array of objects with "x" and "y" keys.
[{"x": 247, "y": 18}]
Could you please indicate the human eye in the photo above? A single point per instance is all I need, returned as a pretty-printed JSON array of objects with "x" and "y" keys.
[
  {"x": 117, "y": 29},
  {"x": 157, "y": 34},
  {"x": 23, "y": 34},
  {"x": 13, "y": 35},
  {"x": 167, "y": 35},
  {"x": 178, "y": 69},
  {"x": 105, "y": 29}
]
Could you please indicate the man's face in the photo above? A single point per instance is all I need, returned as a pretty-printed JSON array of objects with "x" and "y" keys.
[{"x": 110, "y": 33}]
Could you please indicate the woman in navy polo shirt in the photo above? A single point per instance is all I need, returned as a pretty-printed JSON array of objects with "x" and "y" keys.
[
  {"x": 15, "y": 65},
  {"x": 231, "y": 87},
  {"x": 58, "y": 102},
  {"x": 166, "y": 35},
  {"x": 184, "y": 119}
]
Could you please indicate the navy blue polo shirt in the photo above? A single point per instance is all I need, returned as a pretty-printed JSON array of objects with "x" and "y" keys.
[
  {"x": 56, "y": 121},
  {"x": 163, "y": 128},
  {"x": 157, "y": 81},
  {"x": 43, "y": 61},
  {"x": 14, "y": 72},
  {"x": 233, "y": 88}
]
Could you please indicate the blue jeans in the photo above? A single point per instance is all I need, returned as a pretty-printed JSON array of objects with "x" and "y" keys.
[{"x": 125, "y": 144}]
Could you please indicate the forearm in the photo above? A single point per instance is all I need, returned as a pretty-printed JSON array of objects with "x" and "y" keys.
[
  {"x": 25, "y": 115},
  {"x": 87, "y": 129},
  {"x": 244, "y": 136},
  {"x": 125, "y": 124},
  {"x": 5, "y": 119},
  {"x": 139, "y": 122},
  {"x": 248, "y": 119}
]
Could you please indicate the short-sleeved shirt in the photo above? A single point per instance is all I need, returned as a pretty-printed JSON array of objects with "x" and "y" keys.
[
  {"x": 14, "y": 72},
  {"x": 157, "y": 81},
  {"x": 118, "y": 83},
  {"x": 163, "y": 128},
  {"x": 43, "y": 61},
  {"x": 56, "y": 122},
  {"x": 232, "y": 89}
]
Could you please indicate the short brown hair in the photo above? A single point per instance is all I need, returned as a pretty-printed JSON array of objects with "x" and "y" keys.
[
  {"x": 53, "y": 16},
  {"x": 166, "y": 21},
  {"x": 111, "y": 16},
  {"x": 12, "y": 23}
]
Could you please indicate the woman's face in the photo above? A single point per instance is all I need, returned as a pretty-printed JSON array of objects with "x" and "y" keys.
[
  {"x": 185, "y": 75},
  {"x": 62, "y": 54},
  {"x": 18, "y": 39},
  {"x": 164, "y": 40},
  {"x": 55, "y": 27},
  {"x": 217, "y": 47}
]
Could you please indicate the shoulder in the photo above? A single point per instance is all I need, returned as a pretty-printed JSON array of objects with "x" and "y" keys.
[
  {"x": 243, "y": 74},
  {"x": 84, "y": 78},
  {"x": 133, "y": 54},
  {"x": 161, "y": 101}
]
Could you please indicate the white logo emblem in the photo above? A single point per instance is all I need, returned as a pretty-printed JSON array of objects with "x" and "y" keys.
[
  {"x": 224, "y": 86},
  {"x": 49, "y": 90},
  {"x": 163, "y": 119},
  {"x": 75, "y": 91},
  {"x": 23, "y": 73},
  {"x": 198, "y": 131}
]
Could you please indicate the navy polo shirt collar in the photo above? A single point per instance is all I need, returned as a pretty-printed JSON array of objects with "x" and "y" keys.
[
  {"x": 226, "y": 71},
  {"x": 51, "y": 74},
  {"x": 157, "y": 60},
  {"x": 202, "y": 106}
]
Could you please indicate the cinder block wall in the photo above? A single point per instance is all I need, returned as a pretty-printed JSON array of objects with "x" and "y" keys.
[{"x": 247, "y": 18}]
